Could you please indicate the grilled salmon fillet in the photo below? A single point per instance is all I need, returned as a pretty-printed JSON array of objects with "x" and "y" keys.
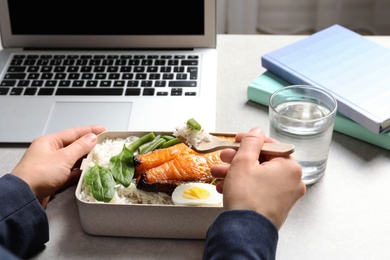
[
  {"x": 184, "y": 167},
  {"x": 158, "y": 157}
]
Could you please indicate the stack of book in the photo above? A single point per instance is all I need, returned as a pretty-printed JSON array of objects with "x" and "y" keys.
[{"x": 351, "y": 67}]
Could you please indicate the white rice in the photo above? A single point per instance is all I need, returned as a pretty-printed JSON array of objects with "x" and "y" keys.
[
  {"x": 101, "y": 155},
  {"x": 192, "y": 138}
]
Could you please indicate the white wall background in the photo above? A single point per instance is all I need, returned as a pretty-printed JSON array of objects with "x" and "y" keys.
[{"x": 297, "y": 16}]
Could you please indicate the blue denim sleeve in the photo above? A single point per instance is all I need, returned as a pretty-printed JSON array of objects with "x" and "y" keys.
[
  {"x": 241, "y": 234},
  {"x": 24, "y": 227}
]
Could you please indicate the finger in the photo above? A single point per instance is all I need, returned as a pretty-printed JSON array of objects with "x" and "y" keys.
[
  {"x": 219, "y": 187},
  {"x": 68, "y": 136},
  {"x": 227, "y": 155},
  {"x": 73, "y": 178},
  {"x": 220, "y": 170},
  {"x": 80, "y": 147},
  {"x": 267, "y": 139},
  {"x": 278, "y": 164},
  {"x": 44, "y": 202},
  {"x": 251, "y": 144}
]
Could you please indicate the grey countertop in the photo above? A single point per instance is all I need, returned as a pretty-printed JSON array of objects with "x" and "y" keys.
[{"x": 346, "y": 215}]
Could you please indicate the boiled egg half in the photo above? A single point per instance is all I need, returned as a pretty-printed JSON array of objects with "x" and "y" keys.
[{"x": 196, "y": 194}]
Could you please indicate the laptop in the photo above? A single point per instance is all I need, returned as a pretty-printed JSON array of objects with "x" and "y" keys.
[{"x": 140, "y": 65}]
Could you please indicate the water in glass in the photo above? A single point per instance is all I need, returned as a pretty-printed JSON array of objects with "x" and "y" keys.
[{"x": 307, "y": 126}]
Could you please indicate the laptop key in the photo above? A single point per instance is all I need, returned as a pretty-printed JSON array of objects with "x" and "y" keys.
[
  {"x": 119, "y": 83},
  {"x": 17, "y": 62},
  {"x": 8, "y": 83},
  {"x": 92, "y": 83},
  {"x": 160, "y": 83},
  {"x": 173, "y": 62},
  {"x": 100, "y": 76},
  {"x": 86, "y": 69},
  {"x": 87, "y": 76},
  {"x": 15, "y": 76},
  {"x": 105, "y": 83},
  {"x": 148, "y": 92},
  {"x": 133, "y": 92},
  {"x": 4, "y": 91},
  {"x": 189, "y": 62},
  {"x": 33, "y": 76},
  {"x": 64, "y": 83},
  {"x": 29, "y": 62},
  {"x": 190, "y": 94},
  {"x": 16, "y": 91},
  {"x": 125, "y": 69},
  {"x": 152, "y": 69},
  {"x": 168, "y": 76},
  {"x": 132, "y": 83},
  {"x": 114, "y": 76},
  {"x": 178, "y": 69},
  {"x": 181, "y": 76},
  {"x": 33, "y": 69},
  {"x": 182, "y": 83},
  {"x": 162, "y": 93},
  {"x": 89, "y": 92},
  {"x": 127, "y": 76},
  {"x": 146, "y": 83},
  {"x": 60, "y": 76},
  {"x": 16, "y": 69},
  {"x": 59, "y": 69},
  {"x": 47, "y": 75},
  {"x": 50, "y": 83},
  {"x": 24, "y": 83},
  {"x": 46, "y": 69},
  {"x": 120, "y": 62},
  {"x": 45, "y": 91},
  {"x": 78, "y": 83},
  {"x": 176, "y": 92},
  {"x": 154, "y": 76},
  {"x": 139, "y": 69},
  {"x": 30, "y": 91},
  {"x": 37, "y": 83},
  {"x": 165, "y": 69},
  {"x": 140, "y": 76}
]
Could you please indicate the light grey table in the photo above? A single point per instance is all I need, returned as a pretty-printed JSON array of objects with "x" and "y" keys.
[{"x": 346, "y": 215}]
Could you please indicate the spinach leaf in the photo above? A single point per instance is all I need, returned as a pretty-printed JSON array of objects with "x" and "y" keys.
[
  {"x": 122, "y": 166},
  {"x": 100, "y": 182}
]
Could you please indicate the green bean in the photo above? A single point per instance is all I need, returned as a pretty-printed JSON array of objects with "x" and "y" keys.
[
  {"x": 140, "y": 141},
  {"x": 168, "y": 137},
  {"x": 150, "y": 146},
  {"x": 171, "y": 142},
  {"x": 194, "y": 125}
]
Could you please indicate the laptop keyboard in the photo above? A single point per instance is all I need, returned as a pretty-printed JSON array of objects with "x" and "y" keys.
[{"x": 101, "y": 75}]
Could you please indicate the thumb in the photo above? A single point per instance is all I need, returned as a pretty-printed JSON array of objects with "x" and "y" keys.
[{"x": 81, "y": 147}]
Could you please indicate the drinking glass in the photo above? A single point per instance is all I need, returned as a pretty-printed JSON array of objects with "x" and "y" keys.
[{"x": 304, "y": 116}]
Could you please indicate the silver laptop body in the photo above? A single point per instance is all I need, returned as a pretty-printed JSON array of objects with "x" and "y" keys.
[{"x": 32, "y": 104}]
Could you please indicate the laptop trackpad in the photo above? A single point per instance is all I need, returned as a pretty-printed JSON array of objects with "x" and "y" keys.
[{"x": 115, "y": 116}]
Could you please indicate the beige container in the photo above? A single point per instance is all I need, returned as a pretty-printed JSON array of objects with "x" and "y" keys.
[{"x": 152, "y": 221}]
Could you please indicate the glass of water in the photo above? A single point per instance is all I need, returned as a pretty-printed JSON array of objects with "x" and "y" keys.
[{"x": 304, "y": 116}]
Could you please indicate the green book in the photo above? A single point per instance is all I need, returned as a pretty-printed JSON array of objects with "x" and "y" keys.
[{"x": 261, "y": 89}]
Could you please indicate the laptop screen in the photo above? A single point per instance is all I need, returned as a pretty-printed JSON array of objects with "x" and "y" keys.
[
  {"x": 86, "y": 17},
  {"x": 109, "y": 24}
]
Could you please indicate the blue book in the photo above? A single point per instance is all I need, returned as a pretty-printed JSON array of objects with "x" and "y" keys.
[
  {"x": 354, "y": 69},
  {"x": 261, "y": 89}
]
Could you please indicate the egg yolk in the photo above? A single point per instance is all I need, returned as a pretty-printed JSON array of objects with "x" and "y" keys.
[{"x": 196, "y": 193}]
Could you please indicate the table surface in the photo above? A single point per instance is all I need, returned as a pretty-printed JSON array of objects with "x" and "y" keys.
[{"x": 346, "y": 215}]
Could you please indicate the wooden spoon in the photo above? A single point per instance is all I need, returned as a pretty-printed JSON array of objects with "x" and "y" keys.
[{"x": 278, "y": 149}]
